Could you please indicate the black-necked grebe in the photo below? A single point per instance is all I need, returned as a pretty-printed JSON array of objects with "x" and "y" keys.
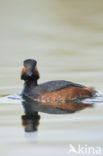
[{"x": 52, "y": 91}]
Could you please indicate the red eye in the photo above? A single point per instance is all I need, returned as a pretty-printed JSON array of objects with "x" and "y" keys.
[{"x": 25, "y": 70}]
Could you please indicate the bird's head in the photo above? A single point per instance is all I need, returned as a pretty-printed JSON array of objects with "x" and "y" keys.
[{"x": 30, "y": 71}]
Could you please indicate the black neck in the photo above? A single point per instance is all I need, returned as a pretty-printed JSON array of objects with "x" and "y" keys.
[
  {"x": 28, "y": 87},
  {"x": 31, "y": 83}
]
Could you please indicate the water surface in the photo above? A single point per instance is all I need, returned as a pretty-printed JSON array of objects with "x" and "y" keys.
[{"x": 66, "y": 39}]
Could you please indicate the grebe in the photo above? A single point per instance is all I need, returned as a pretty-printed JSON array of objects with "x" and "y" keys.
[{"x": 52, "y": 91}]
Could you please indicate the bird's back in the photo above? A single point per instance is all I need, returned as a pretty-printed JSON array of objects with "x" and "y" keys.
[{"x": 35, "y": 91}]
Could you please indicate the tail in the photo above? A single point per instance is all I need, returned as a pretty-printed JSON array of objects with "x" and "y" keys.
[{"x": 92, "y": 91}]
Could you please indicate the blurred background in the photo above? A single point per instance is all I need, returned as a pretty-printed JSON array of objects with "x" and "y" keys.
[{"x": 66, "y": 38}]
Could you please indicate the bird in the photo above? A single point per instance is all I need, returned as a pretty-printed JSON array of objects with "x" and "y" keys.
[{"x": 56, "y": 91}]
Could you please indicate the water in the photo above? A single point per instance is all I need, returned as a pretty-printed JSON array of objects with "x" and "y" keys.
[{"x": 66, "y": 39}]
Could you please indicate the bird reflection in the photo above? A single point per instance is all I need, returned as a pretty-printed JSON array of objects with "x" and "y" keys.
[{"x": 30, "y": 120}]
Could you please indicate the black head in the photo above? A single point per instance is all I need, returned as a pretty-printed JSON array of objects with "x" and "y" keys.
[
  {"x": 30, "y": 72},
  {"x": 30, "y": 64}
]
